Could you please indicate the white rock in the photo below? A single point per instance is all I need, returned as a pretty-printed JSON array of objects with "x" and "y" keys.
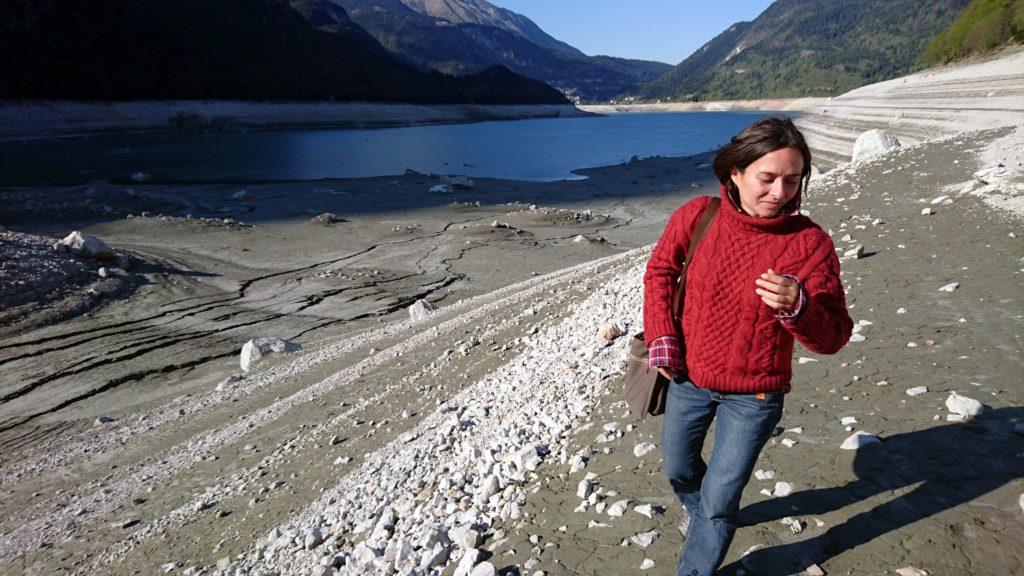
[
  {"x": 789, "y": 442},
  {"x": 642, "y": 449},
  {"x": 927, "y": 211},
  {"x": 857, "y": 338},
  {"x": 782, "y": 489},
  {"x": 1020, "y": 501},
  {"x": 420, "y": 309},
  {"x": 644, "y": 539},
  {"x": 952, "y": 286},
  {"x": 911, "y": 571},
  {"x": 964, "y": 406},
  {"x": 84, "y": 244},
  {"x": 584, "y": 488},
  {"x": 483, "y": 569},
  {"x": 647, "y": 564},
  {"x": 254, "y": 350},
  {"x": 805, "y": 360},
  {"x": 490, "y": 487},
  {"x": 457, "y": 181},
  {"x": 527, "y": 459},
  {"x": 648, "y": 510},
  {"x": 764, "y": 474},
  {"x": 848, "y": 420},
  {"x": 873, "y": 143},
  {"x": 916, "y": 390},
  {"x": 859, "y": 439},
  {"x": 313, "y": 538},
  {"x": 468, "y": 561},
  {"x": 855, "y": 252},
  {"x": 618, "y": 508}
]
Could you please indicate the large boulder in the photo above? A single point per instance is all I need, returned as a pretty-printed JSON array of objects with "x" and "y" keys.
[
  {"x": 254, "y": 350},
  {"x": 84, "y": 244},
  {"x": 874, "y": 143}
]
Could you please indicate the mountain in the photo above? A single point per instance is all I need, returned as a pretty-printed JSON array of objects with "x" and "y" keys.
[
  {"x": 809, "y": 48},
  {"x": 465, "y": 36},
  {"x": 221, "y": 49},
  {"x": 487, "y": 14},
  {"x": 982, "y": 26}
]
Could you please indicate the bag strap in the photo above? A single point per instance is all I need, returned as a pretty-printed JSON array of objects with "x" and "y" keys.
[{"x": 698, "y": 234}]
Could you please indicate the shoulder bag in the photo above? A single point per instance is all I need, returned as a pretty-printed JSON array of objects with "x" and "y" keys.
[{"x": 646, "y": 388}]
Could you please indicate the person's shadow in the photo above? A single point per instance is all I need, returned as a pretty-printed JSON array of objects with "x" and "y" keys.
[{"x": 951, "y": 464}]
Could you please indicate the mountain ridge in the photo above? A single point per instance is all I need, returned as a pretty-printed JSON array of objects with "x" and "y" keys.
[{"x": 799, "y": 48}]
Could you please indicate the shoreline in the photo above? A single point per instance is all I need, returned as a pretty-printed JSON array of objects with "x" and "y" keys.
[
  {"x": 769, "y": 104},
  {"x": 48, "y": 119}
]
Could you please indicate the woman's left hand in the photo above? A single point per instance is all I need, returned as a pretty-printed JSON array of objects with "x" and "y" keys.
[{"x": 779, "y": 292}]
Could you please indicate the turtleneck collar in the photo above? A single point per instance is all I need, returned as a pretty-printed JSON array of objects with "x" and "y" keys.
[{"x": 733, "y": 214}]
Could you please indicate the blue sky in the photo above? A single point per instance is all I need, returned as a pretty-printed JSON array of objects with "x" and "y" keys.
[{"x": 665, "y": 30}]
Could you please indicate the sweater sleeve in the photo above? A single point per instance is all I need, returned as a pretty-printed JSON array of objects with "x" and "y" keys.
[
  {"x": 823, "y": 325},
  {"x": 663, "y": 270}
]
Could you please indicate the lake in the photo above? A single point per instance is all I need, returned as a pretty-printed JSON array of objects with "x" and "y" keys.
[{"x": 542, "y": 149}]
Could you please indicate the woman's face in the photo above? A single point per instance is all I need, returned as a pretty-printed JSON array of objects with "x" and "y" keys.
[{"x": 769, "y": 182}]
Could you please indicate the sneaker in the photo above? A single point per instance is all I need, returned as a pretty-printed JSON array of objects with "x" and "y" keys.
[{"x": 684, "y": 523}]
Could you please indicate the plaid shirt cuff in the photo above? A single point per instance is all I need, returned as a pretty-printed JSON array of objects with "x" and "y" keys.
[
  {"x": 792, "y": 315},
  {"x": 666, "y": 353}
]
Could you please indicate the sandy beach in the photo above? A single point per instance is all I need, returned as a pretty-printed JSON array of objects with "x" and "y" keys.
[{"x": 133, "y": 443}]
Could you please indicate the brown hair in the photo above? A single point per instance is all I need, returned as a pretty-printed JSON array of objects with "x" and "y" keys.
[{"x": 762, "y": 137}]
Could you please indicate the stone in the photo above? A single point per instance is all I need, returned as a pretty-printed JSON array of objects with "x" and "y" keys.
[
  {"x": 313, "y": 538},
  {"x": 848, "y": 420},
  {"x": 964, "y": 406},
  {"x": 874, "y": 143},
  {"x": 642, "y": 449},
  {"x": 101, "y": 420},
  {"x": 490, "y": 486},
  {"x": 85, "y": 245},
  {"x": 609, "y": 331},
  {"x": 254, "y": 350},
  {"x": 483, "y": 569},
  {"x": 764, "y": 474},
  {"x": 171, "y": 566},
  {"x": 951, "y": 287},
  {"x": 859, "y": 439},
  {"x": 457, "y": 181},
  {"x": 789, "y": 442},
  {"x": 468, "y": 561},
  {"x": 420, "y": 309},
  {"x": 527, "y": 459},
  {"x": 103, "y": 272},
  {"x": 647, "y": 564},
  {"x": 584, "y": 488},
  {"x": 327, "y": 218},
  {"x": 814, "y": 570},
  {"x": 649, "y": 510},
  {"x": 854, "y": 253},
  {"x": 618, "y": 508},
  {"x": 916, "y": 390},
  {"x": 436, "y": 556},
  {"x": 911, "y": 571},
  {"x": 782, "y": 489},
  {"x": 644, "y": 539}
]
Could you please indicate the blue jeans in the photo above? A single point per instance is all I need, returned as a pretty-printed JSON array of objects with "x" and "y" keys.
[{"x": 711, "y": 492}]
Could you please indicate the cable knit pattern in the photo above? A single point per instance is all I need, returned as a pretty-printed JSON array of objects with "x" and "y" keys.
[{"x": 733, "y": 340}]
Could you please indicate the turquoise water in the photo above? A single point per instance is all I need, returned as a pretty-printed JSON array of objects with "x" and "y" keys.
[{"x": 546, "y": 149}]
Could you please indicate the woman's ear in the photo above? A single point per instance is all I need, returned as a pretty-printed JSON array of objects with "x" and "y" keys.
[{"x": 734, "y": 175}]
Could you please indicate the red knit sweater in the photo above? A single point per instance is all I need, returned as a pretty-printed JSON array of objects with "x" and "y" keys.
[{"x": 734, "y": 343}]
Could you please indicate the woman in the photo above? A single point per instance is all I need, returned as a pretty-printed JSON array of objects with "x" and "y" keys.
[{"x": 762, "y": 276}]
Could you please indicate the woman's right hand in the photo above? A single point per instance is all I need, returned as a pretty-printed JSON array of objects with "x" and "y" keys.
[{"x": 669, "y": 373}]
